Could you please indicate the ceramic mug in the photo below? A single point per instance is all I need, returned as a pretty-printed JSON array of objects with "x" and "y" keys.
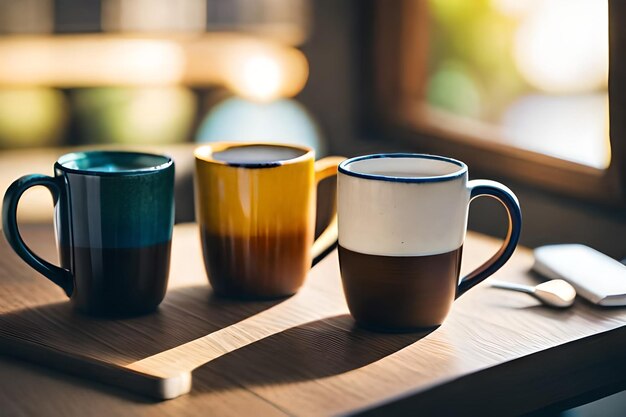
[
  {"x": 402, "y": 224},
  {"x": 255, "y": 205},
  {"x": 114, "y": 216}
]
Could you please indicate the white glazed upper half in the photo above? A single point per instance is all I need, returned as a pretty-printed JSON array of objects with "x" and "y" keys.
[{"x": 396, "y": 216}]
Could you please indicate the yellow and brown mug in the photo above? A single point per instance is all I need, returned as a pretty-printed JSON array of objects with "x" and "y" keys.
[{"x": 255, "y": 205}]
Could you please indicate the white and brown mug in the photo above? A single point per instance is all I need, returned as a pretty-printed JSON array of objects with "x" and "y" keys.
[{"x": 402, "y": 224}]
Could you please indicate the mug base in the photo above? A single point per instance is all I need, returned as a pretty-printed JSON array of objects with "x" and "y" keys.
[
  {"x": 251, "y": 296},
  {"x": 378, "y": 328},
  {"x": 117, "y": 313}
]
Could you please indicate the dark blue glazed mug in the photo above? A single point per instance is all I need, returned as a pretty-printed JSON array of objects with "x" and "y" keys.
[{"x": 114, "y": 216}]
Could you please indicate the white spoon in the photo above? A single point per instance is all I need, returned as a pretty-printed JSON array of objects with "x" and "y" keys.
[{"x": 554, "y": 293}]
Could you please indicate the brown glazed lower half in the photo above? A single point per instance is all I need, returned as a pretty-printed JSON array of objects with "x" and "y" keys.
[
  {"x": 265, "y": 266},
  {"x": 398, "y": 293}
]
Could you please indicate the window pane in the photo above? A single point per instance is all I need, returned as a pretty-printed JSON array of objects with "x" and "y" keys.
[{"x": 534, "y": 72}]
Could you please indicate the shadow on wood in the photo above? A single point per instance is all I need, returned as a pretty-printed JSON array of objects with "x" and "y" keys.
[
  {"x": 187, "y": 313},
  {"x": 314, "y": 350}
]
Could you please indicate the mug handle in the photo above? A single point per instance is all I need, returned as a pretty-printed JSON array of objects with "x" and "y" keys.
[
  {"x": 504, "y": 195},
  {"x": 62, "y": 277},
  {"x": 324, "y": 168}
]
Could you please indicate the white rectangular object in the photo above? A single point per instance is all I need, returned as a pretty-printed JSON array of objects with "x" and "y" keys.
[{"x": 595, "y": 276}]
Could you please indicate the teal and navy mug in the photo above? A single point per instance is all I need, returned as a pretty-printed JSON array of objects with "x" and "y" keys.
[{"x": 114, "y": 216}]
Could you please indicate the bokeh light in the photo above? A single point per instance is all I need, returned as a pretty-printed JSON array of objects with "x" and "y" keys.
[
  {"x": 262, "y": 72},
  {"x": 562, "y": 46},
  {"x": 578, "y": 124},
  {"x": 260, "y": 79},
  {"x": 516, "y": 8},
  {"x": 283, "y": 121}
]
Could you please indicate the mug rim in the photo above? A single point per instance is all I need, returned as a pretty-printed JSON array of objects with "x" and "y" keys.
[
  {"x": 73, "y": 156},
  {"x": 201, "y": 154},
  {"x": 343, "y": 168}
]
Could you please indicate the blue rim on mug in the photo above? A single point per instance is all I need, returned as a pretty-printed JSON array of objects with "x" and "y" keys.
[
  {"x": 206, "y": 152},
  {"x": 165, "y": 162},
  {"x": 343, "y": 168}
]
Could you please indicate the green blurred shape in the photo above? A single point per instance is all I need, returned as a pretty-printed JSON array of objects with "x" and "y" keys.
[
  {"x": 134, "y": 115},
  {"x": 478, "y": 38},
  {"x": 450, "y": 12},
  {"x": 32, "y": 117},
  {"x": 453, "y": 88}
]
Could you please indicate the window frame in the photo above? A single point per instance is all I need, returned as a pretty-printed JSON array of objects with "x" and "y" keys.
[{"x": 399, "y": 51}]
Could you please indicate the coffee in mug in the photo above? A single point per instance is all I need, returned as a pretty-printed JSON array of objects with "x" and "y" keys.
[
  {"x": 255, "y": 206},
  {"x": 402, "y": 224},
  {"x": 114, "y": 216}
]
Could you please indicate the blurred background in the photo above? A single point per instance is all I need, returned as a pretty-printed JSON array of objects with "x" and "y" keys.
[
  {"x": 158, "y": 75},
  {"x": 151, "y": 72},
  {"x": 165, "y": 72},
  {"x": 519, "y": 89},
  {"x": 538, "y": 69}
]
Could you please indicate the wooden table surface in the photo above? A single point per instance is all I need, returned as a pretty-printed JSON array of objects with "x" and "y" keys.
[{"x": 498, "y": 353}]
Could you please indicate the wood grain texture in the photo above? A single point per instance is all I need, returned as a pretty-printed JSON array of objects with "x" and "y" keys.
[{"x": 498, "y": 352}]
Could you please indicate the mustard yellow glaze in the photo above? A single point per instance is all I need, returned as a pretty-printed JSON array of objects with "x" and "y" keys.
[
  {"x": 257, "y": 220},
  {"x": 243, "y": 201}
]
